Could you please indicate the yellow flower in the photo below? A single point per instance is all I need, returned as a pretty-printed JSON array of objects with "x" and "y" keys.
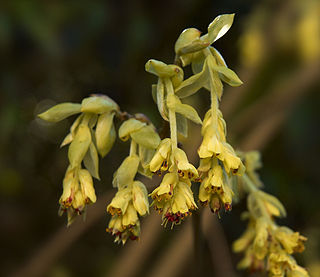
[
  {"x": 180, "y": 205},
  {"x": 185, "y": 169},
  {"x": 231, "y": 161},
  {"x": 78, "y": 191},
  {"x": 260, "y": 243},
  {"x": 165, "y": 189},
  {"x": 123, "y": 232},
  {"x": 87, "y": 188},
  {"x": 120, "y": 202},
  {"x": 245, "y": 240},
  {"x": 160, "y": 160},
  {"x": 250, "y": 261},
  {"x": 140, "y": 198},
  {"x": 173, "y": 198},
  {"x": 291, "y": 241}
]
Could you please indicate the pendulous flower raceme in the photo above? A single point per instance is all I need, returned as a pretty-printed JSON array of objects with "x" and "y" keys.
[
  {"x": 222, "y": 173},
  {"x": 266, "y": 245},
  {"x": 91, "y": 134}
]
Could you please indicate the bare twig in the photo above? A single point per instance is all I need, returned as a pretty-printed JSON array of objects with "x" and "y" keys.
[
  {"x": 282, "y": 97},
  {"x": 48, "y": 252}
]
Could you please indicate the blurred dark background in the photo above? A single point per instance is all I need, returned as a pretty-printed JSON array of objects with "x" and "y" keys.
[{"x": 62, "y": 51}]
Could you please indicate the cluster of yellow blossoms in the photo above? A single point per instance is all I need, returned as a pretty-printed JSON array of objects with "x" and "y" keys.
[
  {"x": 132, "y": 196},
  {"x": 218, "y": 160},
  {"x": 91, "y": 134},
  {"x": 266, "y": 244}
]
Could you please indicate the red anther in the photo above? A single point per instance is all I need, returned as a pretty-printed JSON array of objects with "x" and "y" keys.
[
  {"x": 179, "y": 171},
  {"x": 227, "y": 206},
  {"x": 235, "y": 170},
  {"x": 133, "y": 237}
]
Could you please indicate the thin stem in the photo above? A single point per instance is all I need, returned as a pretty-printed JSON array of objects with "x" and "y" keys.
[
  {"x": 133, "y": 148},
  {"x": 214, "y": 107},
  {"x": 250, "y": 186},
  {"x": 172, "y": 116},
  {"x": 213, "y": 89}
]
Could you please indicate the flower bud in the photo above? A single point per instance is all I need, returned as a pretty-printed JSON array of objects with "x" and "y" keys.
[
  {"x": 140, "y": 198},
  {"x": 98, "y": 105},
  {"x": 87, "y": 185},
  {"x": 60, "y": 112},
  {"x": 105, "y": 133},
  {"x": 79, "y": 146}
]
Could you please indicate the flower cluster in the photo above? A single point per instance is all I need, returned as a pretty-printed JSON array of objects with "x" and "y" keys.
[
  {"x": 131, "y": 199},
  {"x": 218, "y": 159},
  {"x": 265, "y": 244},
  {"x": 222, "y": 172},
  {"x": 173, "y": 197},
  {"x": 91, "y": 134}
]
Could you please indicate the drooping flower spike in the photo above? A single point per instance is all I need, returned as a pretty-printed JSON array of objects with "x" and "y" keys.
[
  {"x": 131, "y": 199},
  {"x": 223, "y": 173},
  {"x": 265, "y": 244},
  {"x": 91, "y": 134}
]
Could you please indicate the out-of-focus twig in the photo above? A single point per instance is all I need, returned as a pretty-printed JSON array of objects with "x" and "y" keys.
[
  {"x": 218, "y": 245},
  {"x": 134, "y": 254},
  {"x": 177, "y": 254},
  {"x": 282, "y": 97},
  {"x": 48, "y": 253}
]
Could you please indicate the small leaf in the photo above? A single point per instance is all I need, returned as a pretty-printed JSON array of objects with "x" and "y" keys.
[
  {"x": 60, "y": 112},
  {"x": 253, "y": 206},
  {"x": 194, "y": 46},
  {"x": 129, "y": 126},
  {"x": 219, "y": 59},
  {"x": 102, "y": 134},
  {"x": 182, "y": 125},
  {"x": 68, "y": 139},
  {"x": 273, "y": 201},
  {"x": 126, "y": 172},
  {"x": 191, "y": 85},
  {"x": 161, "y": 69},
  {"x": 147, "y": 137},
  {"x": 219, "y": 26},
  {"x": 160, "y": 100},
  {"x": 98, "y": 105},
  {"x": 145, "y": 155},
  {"x": 198, "y": 62},
  {"x": 189, "y": 112},
  {"x": 91, "y": 161},
  {"x": 79, "y": 146},
  {"x": 75, "y": 124},
  {"x": 228, "y": 76},
  {"x": 186, "y": 38}
]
